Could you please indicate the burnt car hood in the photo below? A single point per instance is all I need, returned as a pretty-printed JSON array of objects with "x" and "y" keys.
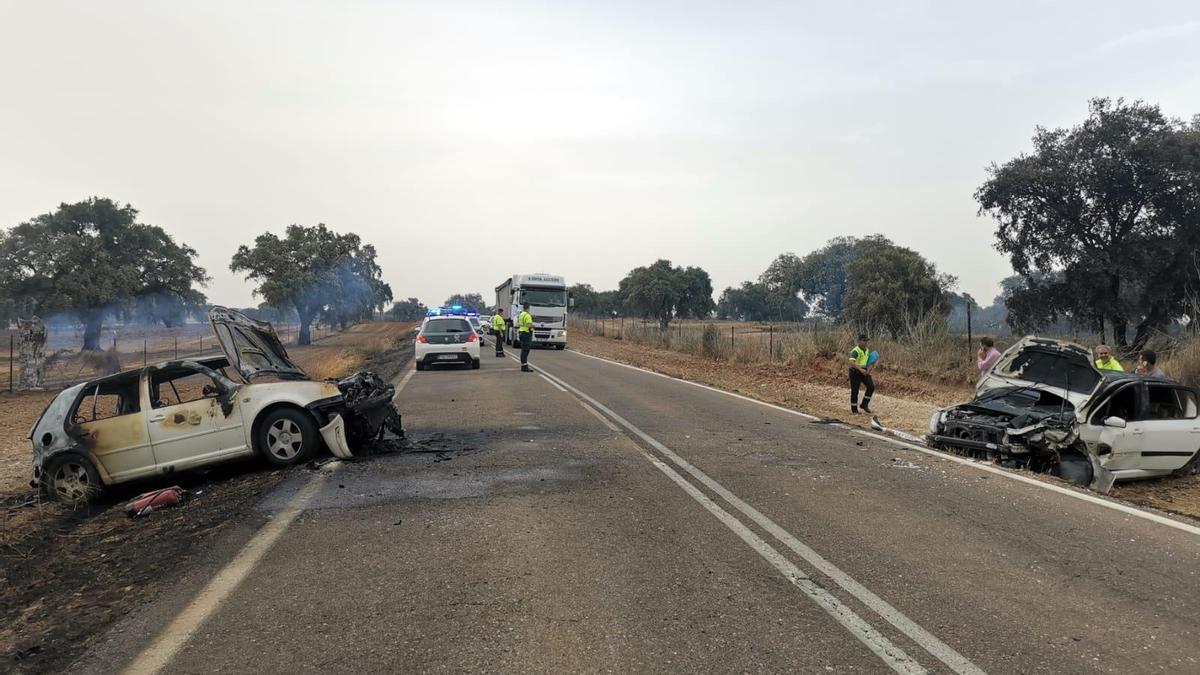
[
  {"x": 1062, "y": 368},
  {"x": 252, "y": 347}
]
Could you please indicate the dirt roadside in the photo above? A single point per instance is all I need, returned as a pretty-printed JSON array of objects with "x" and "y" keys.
[
  {"x": 66, "y": 576},
  {"x": 902, "y": 402}
]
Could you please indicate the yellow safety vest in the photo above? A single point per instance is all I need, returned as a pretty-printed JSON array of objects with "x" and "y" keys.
[
  {"x": 498, "y": 322},
  {"x": 860, "y": 356},
  {"x": 525, "y": 322},
  {"x": 1110, "y": 364}
]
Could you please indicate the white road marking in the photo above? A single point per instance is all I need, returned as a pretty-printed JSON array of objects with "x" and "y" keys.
[
  {"x": 556, "y": 386},
  {"x": 943, "y": 652},
  {"x": 892, "y": 655},
  {"x": 981, "y": 466},
  {"x": 153, "y": 658}
]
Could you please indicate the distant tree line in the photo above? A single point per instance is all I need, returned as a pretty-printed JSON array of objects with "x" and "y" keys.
[
  {"x": 93, "y": 261},
  {"x": 659, "y": 291}
]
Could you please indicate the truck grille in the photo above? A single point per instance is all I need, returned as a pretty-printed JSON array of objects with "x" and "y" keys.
[{"x": 547, "y": 319}]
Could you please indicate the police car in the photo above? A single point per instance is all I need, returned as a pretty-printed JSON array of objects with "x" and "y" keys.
[{"x": 447, "y": 337}]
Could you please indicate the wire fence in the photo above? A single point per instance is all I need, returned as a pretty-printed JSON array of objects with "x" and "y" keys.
[
  {"x": 123, "y": 348},
  {"x": 947, "y": 356}
]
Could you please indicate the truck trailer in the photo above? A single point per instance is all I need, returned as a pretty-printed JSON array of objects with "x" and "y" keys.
[{"x": 548, "y": 302}]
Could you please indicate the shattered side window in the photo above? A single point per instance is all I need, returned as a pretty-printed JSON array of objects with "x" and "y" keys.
[
  {"x": 1123, "y": 404},
  {"x": 107, "y": 399},
  {"x": 178, "y": 387}
]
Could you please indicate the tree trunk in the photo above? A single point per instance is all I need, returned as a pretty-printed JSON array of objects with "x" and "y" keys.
[
  {"x": 305, "y": 318},
  {"x": 93, "y": 326},
  {"x": 1119, "y": 323}
]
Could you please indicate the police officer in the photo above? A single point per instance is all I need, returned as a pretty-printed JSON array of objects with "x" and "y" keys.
[
  {"x": 525, "y": 332},
  {"x": 860, "y": 374},
  {"x": 498, "y": 331}
]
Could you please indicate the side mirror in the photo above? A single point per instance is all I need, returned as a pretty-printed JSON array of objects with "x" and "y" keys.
[
  {"x": 571, "y": 301},
  {"x": 1114, "y": 422}
]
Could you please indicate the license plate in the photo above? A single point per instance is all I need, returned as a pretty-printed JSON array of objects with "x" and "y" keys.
[{"x": 448, "y": 357}]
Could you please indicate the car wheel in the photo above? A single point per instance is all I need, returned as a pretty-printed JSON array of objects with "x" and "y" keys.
[
  {"x": 287, "y": 436},
  {"x": 475, "y": 364},
  {"x": 420, "y": 365},
  {"x": 72, "y": 479},
  {"x": 560, "y": 347}
]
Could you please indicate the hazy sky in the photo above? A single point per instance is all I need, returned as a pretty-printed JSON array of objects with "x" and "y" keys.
[{"x": 472, "y": 140}]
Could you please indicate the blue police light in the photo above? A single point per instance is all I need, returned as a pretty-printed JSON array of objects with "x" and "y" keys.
[{"x": 455, "y": 306}]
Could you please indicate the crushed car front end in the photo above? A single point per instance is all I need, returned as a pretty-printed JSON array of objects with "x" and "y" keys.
[
  {"x": 1025, "y": 413},
  {"x": 359, "y": 414}
]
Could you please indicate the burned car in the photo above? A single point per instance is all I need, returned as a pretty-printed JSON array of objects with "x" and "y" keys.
[
  {"x": 185, "y": 414},
  {"x": 1045, "y": 406}
]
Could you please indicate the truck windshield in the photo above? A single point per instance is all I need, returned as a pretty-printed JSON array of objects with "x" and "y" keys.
[{"x": 544, "y": 297}]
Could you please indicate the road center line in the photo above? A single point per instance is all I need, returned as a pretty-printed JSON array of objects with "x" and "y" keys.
[
  {"x": 980, "y": 466},
  {"x": 943, "y": 652}
]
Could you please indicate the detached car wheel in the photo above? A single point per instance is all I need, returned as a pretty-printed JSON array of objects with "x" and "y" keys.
[
  {"x": 72, "y": 479},
  {"x": 287, "y": 436}
]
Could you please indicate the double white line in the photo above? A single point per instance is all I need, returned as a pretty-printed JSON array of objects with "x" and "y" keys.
[{"x": 885, "y": 649}]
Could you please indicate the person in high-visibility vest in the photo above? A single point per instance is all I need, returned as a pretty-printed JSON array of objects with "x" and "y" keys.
[
  {"x": 498, "y": 331},
  {"x": 525, "y": 332},
  {"x": 860, "y": 374},
  {"x": 1105, "y": 360}
]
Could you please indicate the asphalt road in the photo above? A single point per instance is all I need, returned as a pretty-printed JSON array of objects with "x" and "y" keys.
[{"x": 600, "y": 518}]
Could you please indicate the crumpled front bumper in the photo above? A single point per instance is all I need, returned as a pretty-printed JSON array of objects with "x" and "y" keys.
[{"x": 334, "y": 434}]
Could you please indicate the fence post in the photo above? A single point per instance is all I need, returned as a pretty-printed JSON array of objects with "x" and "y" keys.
[
  {"x": 202, "y": 342},
  {"x": 12, "y": 342},
  {"x": 771, "y": 342},
  {"x": 176, "y": 347},
  {"x": 970, "y": 338},
  {"x": 143, "y": 352},
  {"x": 731, "y": 345}
]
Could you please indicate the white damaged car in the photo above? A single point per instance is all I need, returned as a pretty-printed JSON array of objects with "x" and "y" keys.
[
  {"x": 1045, "y": 406},
  {"x": 185, "y": 414}
]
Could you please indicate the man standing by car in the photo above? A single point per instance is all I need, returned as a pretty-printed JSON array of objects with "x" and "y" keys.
[
  {"x": 1105, "y": 360},
  {"x": 498, "y": 331},
  {"x": 1148, "y": 365},
  {"x": 860, "y": 374},
  {"x": 525, "y": 332}
]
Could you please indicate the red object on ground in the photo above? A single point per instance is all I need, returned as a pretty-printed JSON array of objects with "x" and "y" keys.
[{"x": 150, "y": 501}]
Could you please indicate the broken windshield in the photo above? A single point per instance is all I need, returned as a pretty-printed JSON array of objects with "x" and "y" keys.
[{"x": 1053, "y": 367}]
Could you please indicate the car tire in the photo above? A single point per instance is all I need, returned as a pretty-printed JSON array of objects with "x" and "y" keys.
[
  {"x": 560, "y": 347},
  {"x": 475, "y": 364},
  {"x": 72, "y": 479},
  {"x": 287, "y": 436},
  {"x": 420, "y": 365}
]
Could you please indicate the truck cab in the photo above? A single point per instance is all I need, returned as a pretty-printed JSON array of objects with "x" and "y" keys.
[{"x": 548, "y": 303}]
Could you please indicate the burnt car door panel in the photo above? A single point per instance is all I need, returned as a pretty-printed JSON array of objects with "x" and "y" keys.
[
  {"x": 188, "y": 424},
  {"x": 107, "y": 421}
]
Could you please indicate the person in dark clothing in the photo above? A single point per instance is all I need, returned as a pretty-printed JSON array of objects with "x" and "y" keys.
[{"x": 860, "y": 374}]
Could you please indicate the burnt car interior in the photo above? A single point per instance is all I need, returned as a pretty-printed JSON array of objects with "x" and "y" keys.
[
  {"x": 110, "y": 397},
  {"x": 174, "y": 386}
]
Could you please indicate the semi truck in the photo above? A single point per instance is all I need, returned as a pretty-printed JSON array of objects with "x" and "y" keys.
[{"x": 548, "y": 302}]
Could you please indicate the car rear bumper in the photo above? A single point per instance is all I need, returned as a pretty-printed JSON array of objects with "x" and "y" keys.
[{"x": 434, "y": 358}]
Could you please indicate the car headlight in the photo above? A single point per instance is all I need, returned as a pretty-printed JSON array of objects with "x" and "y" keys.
[
  {"x": 564, "y": 333},
  {"x": 935, "y": 422}
]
